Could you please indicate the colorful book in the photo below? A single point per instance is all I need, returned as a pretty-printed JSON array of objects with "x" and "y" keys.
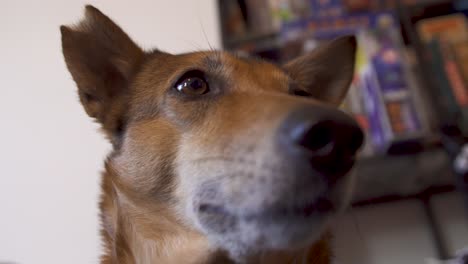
[
  {"x": 452, "y": 28},
  {"x": 459, "y": 88},
  {"x": 389, "y": 98},
  {"x": 442, "y": 84},
  {"x": 326, "y": 8},
  {"x": 460, "y": 51},
  {"x": 446, "y": 38},
  {"x": 260, "y": 17}
]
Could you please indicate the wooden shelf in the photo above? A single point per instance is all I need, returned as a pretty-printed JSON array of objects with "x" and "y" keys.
[{"x": 402, "y": 175}]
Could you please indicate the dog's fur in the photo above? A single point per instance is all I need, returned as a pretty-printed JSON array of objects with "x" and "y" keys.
[{"x": 171, "y": 152}]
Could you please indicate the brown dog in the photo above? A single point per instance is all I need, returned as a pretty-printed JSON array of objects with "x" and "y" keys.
[{"x": 217, "y": 158}]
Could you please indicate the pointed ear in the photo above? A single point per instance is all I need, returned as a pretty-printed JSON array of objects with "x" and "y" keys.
[
  {"x": 326, "y": 72},
  {"x": 102, "y": 59}
]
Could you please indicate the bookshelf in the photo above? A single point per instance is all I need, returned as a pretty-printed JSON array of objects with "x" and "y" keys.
[
  {"x": 272, "y": 44},
  {"x": 424, "y": 151}
]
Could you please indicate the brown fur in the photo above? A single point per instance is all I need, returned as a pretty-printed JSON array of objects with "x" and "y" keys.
[{"x": 158, "y": 136}]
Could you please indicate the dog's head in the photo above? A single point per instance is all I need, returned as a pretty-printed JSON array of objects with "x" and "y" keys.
[{"x": 250, "y": 154}]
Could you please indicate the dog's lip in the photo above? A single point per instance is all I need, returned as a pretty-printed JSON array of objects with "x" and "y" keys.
[{"x": 307, "y": 210}]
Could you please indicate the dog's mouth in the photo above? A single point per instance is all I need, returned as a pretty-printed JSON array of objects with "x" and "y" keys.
[
  {"x": 319, "y": 206},
  {"x": 259, "y": 218}
]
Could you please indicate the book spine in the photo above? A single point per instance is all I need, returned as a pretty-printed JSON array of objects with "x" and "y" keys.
[
  {"x": 454, "y": 77},
  {"x": 260, "y": 16},
  {"x": 461, "y": 55},
  {"x": 442, "y": 85},
  {"x": 376, "y": 113}
]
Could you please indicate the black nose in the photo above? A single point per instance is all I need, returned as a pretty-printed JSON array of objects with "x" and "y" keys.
[{"x": 327, "y": 137}]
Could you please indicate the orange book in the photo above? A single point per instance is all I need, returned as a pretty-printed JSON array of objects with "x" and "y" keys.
[
  {"x": 460, "y": 50},
  {"x": 453, "y": 28},
  {"x": 454, "y": 76}
]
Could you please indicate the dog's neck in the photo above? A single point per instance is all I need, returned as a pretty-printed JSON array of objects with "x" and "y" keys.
[{"x": 151, "y": 234}]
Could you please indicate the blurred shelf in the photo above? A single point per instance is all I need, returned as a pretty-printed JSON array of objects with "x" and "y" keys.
[
  {"x": 401, "y": 175},
  {"x": 410, "y": 167},
  {"x": 250, "y": 38},
  {"x": 424, "y": 194},
  {"x": 428, "y": 3},
  {"x": 413, "y": 168}
]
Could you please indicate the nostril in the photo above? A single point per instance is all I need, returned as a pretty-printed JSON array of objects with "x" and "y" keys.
[
  {"x": 356, "y": 140},
  {"x": 316, "y": 138},
  {"x": 328, "y": 136}
]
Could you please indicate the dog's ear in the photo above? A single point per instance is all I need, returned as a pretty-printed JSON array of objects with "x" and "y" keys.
[
  {"x": 326, "y": 72},
  {"x": 102, "y": 58}
]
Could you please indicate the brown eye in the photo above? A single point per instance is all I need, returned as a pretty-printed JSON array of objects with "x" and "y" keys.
[{"x": 192, "y": 83}]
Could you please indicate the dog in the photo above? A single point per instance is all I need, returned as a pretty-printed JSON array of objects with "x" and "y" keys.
[{"x": 217, "y": 158}]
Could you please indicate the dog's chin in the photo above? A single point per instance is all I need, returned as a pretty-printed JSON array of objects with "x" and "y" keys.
[
  {"x": 266, "y": 217},
  {"x": 245, "y": 233}
]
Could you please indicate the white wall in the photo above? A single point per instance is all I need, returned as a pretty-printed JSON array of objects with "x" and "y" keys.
[{"x": 50, "y": 151}]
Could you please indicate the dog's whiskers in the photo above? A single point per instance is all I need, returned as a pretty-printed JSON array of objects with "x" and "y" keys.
[
  {"x": 204, "y": 34},
  {"x": 196, "y": 46}
]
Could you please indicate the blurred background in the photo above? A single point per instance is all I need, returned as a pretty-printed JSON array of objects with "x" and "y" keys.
[{"x": 410, "y": 94}]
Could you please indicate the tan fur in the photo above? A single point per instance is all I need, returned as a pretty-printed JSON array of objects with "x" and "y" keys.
[
  {"x": 147, "y": 233},
  {"x": 164, "y": 145}
]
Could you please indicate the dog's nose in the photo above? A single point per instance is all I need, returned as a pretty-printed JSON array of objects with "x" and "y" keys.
[{"x": 326, "y": 136}]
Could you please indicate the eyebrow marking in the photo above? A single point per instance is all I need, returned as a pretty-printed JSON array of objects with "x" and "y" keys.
[{"x": 213, "y": 62}]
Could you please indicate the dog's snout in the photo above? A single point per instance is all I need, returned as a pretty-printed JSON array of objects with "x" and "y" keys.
[{"x": 327, "y": 137}]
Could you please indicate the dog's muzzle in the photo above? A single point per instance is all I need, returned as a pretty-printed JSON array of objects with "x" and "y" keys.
[{"x": 287, "y": 206}]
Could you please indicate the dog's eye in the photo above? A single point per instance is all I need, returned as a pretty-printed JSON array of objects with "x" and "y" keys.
[{"x": 192, "y": 83}]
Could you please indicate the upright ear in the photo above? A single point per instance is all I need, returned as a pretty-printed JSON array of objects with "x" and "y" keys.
[
  {"x": 102, "y": 59},
  {"x": 326, "y": 72}
]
